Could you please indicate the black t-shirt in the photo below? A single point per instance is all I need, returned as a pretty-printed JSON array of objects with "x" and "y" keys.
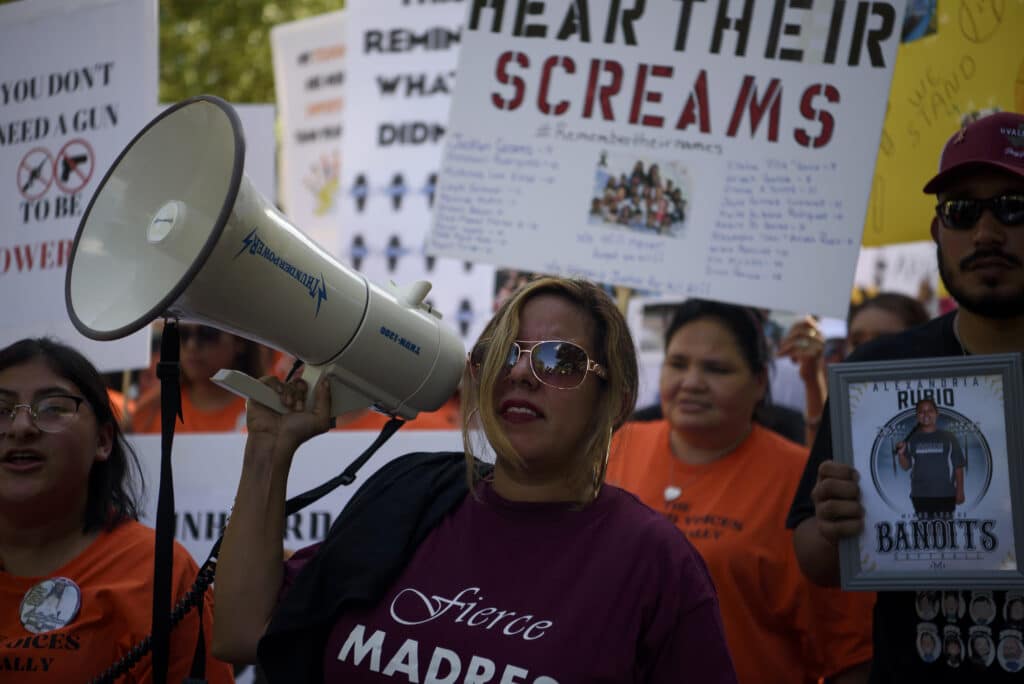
[
  {"x": 934, "y": 457},
  {"x": 929, "y": 636}
]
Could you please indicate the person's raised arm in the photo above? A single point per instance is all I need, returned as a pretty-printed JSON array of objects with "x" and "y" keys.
[
  {"x": 837, "y": 514},
  {"x": 804, "y": 344},
  {"x": 249, "y": 568}
]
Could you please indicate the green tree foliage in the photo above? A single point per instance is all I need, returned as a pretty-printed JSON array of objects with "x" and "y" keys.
[{"x": 223, "y": 48}]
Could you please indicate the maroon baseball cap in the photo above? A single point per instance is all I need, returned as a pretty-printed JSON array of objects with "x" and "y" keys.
[{"x": 993, "y": 141}]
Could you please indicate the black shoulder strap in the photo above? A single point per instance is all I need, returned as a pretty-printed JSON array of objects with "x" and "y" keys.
[
  {"x": 347, "y": 476},
  {"x": 168, "y": 370}
]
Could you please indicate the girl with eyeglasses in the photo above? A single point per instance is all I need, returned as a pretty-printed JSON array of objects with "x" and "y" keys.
[
  {"x": 76, "y": 566},
  {"x": 443, "y": 568},
  {"x": 726, "y": 482}
]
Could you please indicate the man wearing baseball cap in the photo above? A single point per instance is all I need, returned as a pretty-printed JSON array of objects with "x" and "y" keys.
[{"x": 978, "y": 229}]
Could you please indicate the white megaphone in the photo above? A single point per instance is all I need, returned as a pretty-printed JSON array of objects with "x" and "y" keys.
[{"x": 176, "y": 230}]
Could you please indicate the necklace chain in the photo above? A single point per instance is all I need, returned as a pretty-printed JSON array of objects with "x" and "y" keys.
[{"x": 956, "y": 334}]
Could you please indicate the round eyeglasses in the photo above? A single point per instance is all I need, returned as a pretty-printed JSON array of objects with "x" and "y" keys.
[
  {"x": 555, "y": 363},
  {"x": 49, "y": 414}
]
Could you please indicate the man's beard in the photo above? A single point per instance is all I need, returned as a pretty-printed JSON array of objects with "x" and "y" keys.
[{"x": 990, "y": 306}]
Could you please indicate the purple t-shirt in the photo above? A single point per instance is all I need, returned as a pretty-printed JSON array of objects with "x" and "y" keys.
[{"x": 510, "y": 592}]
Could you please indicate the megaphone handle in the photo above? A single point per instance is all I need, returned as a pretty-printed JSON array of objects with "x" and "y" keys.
[
  {"x": 343, "y": 397},
  {"x": 248, "y": 387}
]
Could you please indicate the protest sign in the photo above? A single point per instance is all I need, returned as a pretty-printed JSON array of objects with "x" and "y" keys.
[
  {"x": 909, "y": 268},
  {"x": 957, "y": 61},
  {"x": 714, "y": 149},
  {"x": 207, "y": 468},
  {"x": 65, "y": 115},
  {"x": 309, "y": 79},
  {"x": 401, "y": 73},
  {"x": 260, "y": 149}
]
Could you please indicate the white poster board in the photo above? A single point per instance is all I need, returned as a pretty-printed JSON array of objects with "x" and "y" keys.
[
  {"x": 309, "y": 80},
  {"x": 762, "y": 119},
  {"x": 207, "y": 468},
  {"x": 65, "y": 115},
  {"x": 401, "y": 72},
  {"x": 260, "y": 147},
  {"x": 906, "y": 267}
]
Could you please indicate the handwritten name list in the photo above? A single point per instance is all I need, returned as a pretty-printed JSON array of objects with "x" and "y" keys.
[
  {"x": 754, "y": 220},
  {"x": 486, "y": 182},
  {"x": 770, "y": 212}
]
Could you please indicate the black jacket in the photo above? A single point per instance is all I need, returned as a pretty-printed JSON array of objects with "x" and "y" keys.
[{"x": 364, "y": 552}]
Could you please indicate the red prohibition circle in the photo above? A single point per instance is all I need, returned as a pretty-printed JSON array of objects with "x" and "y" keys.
[
  {"x": 68, "y": 172},
  {"x": 35, "y": 173}
]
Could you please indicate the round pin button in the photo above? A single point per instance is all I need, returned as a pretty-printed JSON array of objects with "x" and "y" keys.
[{"x": 50, "y": 605}]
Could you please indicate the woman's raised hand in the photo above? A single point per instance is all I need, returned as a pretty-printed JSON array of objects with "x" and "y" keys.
[
  {"x": 804, "y": 344},
  {"x": 300, "y": 422}
]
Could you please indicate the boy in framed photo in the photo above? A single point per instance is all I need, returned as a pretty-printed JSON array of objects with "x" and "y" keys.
[{"x": 936, "y": 464}]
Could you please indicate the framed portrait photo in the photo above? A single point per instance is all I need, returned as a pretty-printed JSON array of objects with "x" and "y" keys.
[{"x": 939, "y": 447}]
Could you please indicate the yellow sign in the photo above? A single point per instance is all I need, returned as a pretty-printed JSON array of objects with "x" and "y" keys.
[{"x": 960, "y": 59}]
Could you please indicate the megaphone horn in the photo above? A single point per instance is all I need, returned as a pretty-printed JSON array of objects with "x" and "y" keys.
[{"x": 176, "y": 230}]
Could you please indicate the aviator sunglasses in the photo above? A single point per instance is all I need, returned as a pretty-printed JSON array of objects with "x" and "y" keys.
[
  {"x": 962, "y": 214},
  {"x": 555, "y": 363}
]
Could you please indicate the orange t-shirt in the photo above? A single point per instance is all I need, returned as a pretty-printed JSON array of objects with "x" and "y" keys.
[
  {"x": 781, "y": 629},
  {"x": 228, "y": 418},
  {"x": 121, "y": 404},
  {"x": 114, "y": 577}
]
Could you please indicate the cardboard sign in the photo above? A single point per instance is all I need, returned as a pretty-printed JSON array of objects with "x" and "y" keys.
[
  {"x": 65, "y": 115},
  {"x": 717, "y": 149},
  {"x": 400, "y": 79}
]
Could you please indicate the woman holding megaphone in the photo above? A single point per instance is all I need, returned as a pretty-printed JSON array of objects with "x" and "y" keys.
[{"x": 443, "y": 568}]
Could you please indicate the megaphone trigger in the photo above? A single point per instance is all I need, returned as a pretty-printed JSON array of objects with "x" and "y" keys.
[
  {"x": 343, "y": 399},
  {"x": 248, "y": 387}
]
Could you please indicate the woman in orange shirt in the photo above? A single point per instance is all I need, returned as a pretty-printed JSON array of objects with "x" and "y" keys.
[{"x": 727, "y": 483}]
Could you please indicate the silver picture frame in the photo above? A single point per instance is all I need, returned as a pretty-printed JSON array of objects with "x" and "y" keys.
[{"x": 943, "y": 495}]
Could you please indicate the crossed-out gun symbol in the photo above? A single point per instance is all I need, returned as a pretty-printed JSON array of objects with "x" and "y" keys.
[
  {"x": 69, "y": 164},
  {"x": 34, "y": 175}
]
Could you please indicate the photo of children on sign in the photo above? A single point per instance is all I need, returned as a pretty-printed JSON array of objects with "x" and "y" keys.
[
  {"x": 648, "y": 196},
  {"x": 932, "y": 454}
]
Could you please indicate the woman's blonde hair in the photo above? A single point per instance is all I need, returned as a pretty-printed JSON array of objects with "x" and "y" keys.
[{"x": 613, "y": 348}]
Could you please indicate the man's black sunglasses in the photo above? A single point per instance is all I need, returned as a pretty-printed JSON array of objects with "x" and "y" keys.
[{"x": 962, "y": 214}]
